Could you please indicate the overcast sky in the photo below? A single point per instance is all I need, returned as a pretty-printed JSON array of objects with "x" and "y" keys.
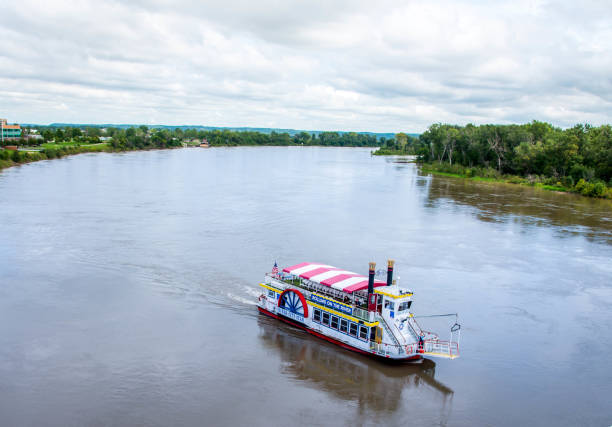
[{"x": 325, "y": 65}]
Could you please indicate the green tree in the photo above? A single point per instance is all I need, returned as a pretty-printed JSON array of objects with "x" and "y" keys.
[
  {"x": 75, "y": 132},
  {"x": 402, "y": 139},
  {"x": 93, "y": 131},
  {"x": 47, "y": 135}
]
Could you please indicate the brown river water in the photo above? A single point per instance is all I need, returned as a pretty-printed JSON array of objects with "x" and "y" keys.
[{"x": 128, "y": 285}]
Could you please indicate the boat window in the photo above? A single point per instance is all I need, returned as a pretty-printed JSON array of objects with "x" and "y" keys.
[
  {"x": 317, "y": 315},
  {"x": 334, "y": 322},
  {"x": 372, "y": 334},
  {"x": 389, "y": 304},
  {"x": 271, "y": 294},
  {"x": 343, "y": 325},
  {"x": 326, "y": 318},
  {"x": 353, "y": 330},
  {"x": 363, "y": 332},
  {"x": 404, "y": 306}
]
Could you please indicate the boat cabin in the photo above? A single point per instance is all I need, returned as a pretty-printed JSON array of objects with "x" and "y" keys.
[{"x": 393, "y": 302}]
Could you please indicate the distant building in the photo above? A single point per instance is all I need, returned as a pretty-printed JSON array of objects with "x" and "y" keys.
[{"x": 9, "y": 131}]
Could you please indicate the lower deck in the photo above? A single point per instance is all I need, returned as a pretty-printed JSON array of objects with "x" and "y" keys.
[
  {"x": 334, "y": 326},
  {"x": 376, "y": 351}
]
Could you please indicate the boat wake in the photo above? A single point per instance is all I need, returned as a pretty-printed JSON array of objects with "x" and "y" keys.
[{"x": 241, "y": 299}]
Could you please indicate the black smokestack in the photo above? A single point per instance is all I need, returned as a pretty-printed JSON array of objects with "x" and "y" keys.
[
  {"x": 371, "y": 278},
  {"x": 390, "y": 272}
]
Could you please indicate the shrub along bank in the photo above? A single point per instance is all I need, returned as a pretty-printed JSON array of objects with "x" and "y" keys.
[
  {"x": 10, "y": 158},
  {"x": 583, "y": 187}
]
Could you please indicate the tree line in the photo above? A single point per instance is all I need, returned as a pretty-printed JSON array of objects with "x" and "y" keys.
[
  {"x": 582, "y": 151},
  {"x": 143, "y": 137},
  {"x": 234, "y": 138},
  {"x": 580, "y": 156}
]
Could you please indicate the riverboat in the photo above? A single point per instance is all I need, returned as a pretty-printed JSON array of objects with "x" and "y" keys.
[{"x": 356, "y": 312}]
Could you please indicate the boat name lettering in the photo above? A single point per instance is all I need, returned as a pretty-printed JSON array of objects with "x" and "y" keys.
[
  {"x": 290, "y": 314},
  {"x": 331, "y": 304}
]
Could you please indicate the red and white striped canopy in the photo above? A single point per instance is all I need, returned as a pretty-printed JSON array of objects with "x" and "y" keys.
[{"x": 342, "y": 280}]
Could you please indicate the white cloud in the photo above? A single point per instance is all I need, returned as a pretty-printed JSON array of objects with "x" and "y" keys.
[{"x": 353, "y": 65}]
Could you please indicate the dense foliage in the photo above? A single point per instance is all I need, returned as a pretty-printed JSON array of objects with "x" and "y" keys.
[
  {"x": 577, "y": 159},
  {"x": 581, "y": 152},
  {"x": 163, "y": 138},
  {"x": 142, "y": 137},
  {"x": 13, "y": 157},
  {"x": 337, "y": 139},
  {"x": 401, "y": 144}
]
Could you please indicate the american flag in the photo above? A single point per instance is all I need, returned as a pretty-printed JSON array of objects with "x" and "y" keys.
[{"x": 275, "y": 268}]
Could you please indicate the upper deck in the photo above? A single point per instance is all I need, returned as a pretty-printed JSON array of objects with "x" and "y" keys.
[
  {"x": 347, "y": 282},
  {"x": 352, "y": 305},
  {"x": 347, "y": 290}
]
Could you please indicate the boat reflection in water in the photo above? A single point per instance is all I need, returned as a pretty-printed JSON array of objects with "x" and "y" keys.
[{"x": 373, "y": 385}]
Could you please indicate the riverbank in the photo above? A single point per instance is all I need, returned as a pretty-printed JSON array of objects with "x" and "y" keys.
[
  {"x": 582, "y": 187},
  {"x": 49, "y": 151},
  {"x": 10, "y": 158}
]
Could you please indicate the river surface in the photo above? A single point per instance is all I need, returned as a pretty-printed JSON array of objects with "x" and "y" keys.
[{"x": 128, "y": 285}]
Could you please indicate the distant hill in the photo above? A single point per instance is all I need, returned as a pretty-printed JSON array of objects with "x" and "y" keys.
[{"x": 198, "y": 127}]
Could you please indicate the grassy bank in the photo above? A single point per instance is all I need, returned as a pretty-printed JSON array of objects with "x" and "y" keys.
[
  {"x": 588, "y": 189},
  {"x": 10, "y": 158},
  {"x": 101, "y": 146},
  {"x": 386, "y": 151},
  {"x": 390, "y": 152}
]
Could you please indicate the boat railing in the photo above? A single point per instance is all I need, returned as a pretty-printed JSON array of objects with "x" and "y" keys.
[
  {"x": 447, "y": 349},
  {"x": 390, "y": 333},
  {"x": 384, "y": 349},
  {"x": 284, "y": 281},
  {"x": 399, "y": 333},
  {"x": 415, "y": 327},
  {"x": 361, "y": 314},
  {"x": 434, "y": 348}
]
